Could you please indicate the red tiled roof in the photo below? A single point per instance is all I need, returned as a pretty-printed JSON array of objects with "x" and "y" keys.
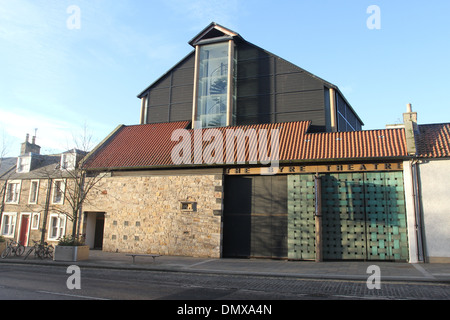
[
  {"x": 151, "y": 145},
  {"x": 356, "y": 144},
  {"x": 137, "y": 146},
  {"x": 433, "y": 141}
]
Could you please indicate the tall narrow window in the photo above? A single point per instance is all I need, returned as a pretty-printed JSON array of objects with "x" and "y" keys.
[
  {"x": 213, "y": 85},
  {"x": 57, "y": 225},
  {"x": 8, "y": 224},
  {"x": 35, "y": 221},
  {"x": 34, "y": 187},
  {"x": 13, "y": 192},
  {"x": 58, "y": 192}
]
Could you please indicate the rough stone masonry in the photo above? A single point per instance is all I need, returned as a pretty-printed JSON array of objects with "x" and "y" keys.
[{"x": 161, "y": 214}]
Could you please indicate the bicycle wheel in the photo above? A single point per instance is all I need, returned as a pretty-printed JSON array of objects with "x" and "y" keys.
[
  {"x": 40, "y": 253},
  {"x": 50, "y": 251},
  {"x": 20, "y": 250},
  {"x": 28, "y": 253},
  {"x": 6, "y": 252}
]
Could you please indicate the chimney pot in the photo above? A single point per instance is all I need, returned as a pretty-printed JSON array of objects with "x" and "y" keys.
[
  {"x": 27, "y": 137},
  {"x": 409, "y": 107}
]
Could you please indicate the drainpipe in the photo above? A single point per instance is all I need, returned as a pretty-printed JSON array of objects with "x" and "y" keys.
[
  {"x": 2, "y": 206},
  {"x": 46, "y": 208},
  {"x": 417, "y": 209}
]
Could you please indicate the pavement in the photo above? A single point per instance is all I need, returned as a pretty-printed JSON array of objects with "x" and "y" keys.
[{"x": 338, "y": 270}]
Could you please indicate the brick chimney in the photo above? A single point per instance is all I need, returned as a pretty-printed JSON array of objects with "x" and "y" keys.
[{"x": 28, "y": 147}]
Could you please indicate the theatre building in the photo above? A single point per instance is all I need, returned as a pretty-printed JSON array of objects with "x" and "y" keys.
[{"x": 240, "y": 153}]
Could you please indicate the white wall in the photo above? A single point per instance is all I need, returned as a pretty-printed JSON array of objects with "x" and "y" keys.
[{"x": 435, "y": 190}]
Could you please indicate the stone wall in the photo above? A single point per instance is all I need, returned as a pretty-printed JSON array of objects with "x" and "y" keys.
[{"x": 168, "y": 214}]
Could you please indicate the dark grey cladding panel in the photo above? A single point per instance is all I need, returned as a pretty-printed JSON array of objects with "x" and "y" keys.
[
  {"x": 182, "y": 94},
  {"x": 170, "y": 98},
  {"x": 159, "y": 97},
  {"x": 270, "y": 89},
  {"x": 157, "y": 114},
  {"x": 181, "y": 111}
]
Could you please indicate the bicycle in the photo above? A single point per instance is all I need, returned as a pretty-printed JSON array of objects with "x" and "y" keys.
[
  {"x": 38, "y": 249},
  {"x": 47, "y": 251},
  {"x": 13, "y": 247}
]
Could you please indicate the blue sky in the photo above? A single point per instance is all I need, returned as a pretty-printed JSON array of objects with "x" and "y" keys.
[{"x": 57, "y": 79}]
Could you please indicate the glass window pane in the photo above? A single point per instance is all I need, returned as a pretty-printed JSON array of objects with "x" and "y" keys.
[
  {"x": 54, "y": 228},
  {"x": 6, "y": 221},
  {"x": 213, "y": 85}
]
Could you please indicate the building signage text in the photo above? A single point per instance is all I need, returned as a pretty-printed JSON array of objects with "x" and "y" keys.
[{"x": 360, "y": 167}]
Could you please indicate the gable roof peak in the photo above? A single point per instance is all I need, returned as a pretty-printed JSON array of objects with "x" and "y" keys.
[{"x": 214, "y": 31}]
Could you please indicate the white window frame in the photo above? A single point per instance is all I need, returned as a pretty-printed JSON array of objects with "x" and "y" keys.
[
  {"x": 68, "y": 161},
  {"x": 12, "y": 216},
  {"x": 63, "y": 190},
  {"x": 16, "y": 191},
  {"x": 60, "y": 228},
  {"x": 37, "y": 192},
  {"x": 23, "y": 164},
  {"x": 35, "y": 216}
]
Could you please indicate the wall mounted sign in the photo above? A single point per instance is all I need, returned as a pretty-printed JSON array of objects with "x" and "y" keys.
[{"x": 351, "y": 167}]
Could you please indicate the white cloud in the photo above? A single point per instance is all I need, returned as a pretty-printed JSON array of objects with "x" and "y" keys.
[{"x": 53, "y": 134}]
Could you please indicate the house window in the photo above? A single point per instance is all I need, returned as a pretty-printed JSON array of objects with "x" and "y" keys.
[
  {"x": 34, "y": 191},
  {"x": 215, "y": 70},
  {"x": 23, "y": 164},
  {"x": 68, "y": 161},
  {"x": 57, "y": 227},
  {"x": 8, "y": 224},
  {"x": 13, "y": 192},
  {"x": 35, "y": 221},
  {"x": 58, "y": 192}
]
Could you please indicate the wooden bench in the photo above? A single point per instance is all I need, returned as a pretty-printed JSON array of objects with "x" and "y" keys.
[{"x": 143, "y": 255}]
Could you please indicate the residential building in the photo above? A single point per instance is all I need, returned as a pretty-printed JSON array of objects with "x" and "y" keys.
[
  {"x": 35, "y": 200},
  {"x": 426, "y": 189}
]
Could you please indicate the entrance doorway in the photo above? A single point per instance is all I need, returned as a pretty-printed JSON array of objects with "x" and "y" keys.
[
  {"x": 24, "y": 228},
  {"x": 94, "y": 227},
  {"x": 255, "y": 217},
  {"x": 363, "y": 216}
]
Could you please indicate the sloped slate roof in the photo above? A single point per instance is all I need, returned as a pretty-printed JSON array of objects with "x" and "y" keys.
[
  {"x": 433, "y": 141},
  {"x": 7, "y": 165},
  {"x": 151, "y": 145}
]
